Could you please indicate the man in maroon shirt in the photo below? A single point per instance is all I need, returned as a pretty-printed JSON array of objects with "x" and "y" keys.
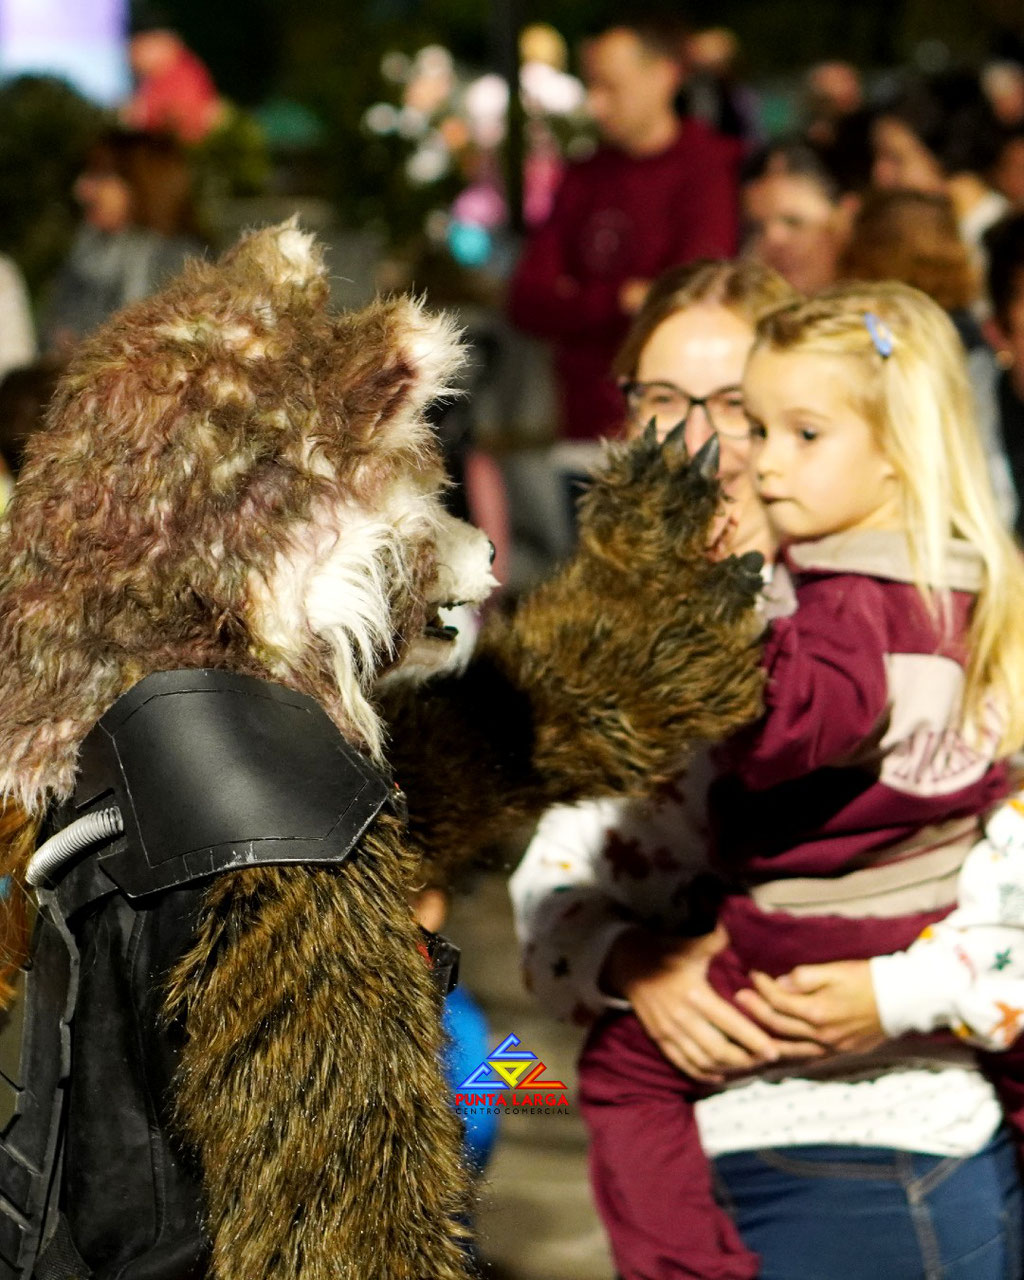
[{"x": 658, "y": 192}]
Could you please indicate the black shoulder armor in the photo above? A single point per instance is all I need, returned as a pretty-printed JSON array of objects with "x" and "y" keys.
[{"x": 215, "y": 772}]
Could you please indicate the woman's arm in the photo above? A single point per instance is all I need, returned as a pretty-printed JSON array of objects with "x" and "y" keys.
[
  {"x": 586, "y": 897},
  {"x": 565, "y": 917}
]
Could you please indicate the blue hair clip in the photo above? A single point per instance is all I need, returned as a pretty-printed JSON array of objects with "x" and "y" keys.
[{"x": 881, "y": 334}]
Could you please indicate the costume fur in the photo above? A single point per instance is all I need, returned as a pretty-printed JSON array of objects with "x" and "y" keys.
[{"x": 233, "y": 477}]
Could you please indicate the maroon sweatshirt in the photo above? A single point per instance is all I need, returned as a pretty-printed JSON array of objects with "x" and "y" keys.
[
  {"x": 616, "y": 218},
  {"x": 858, "y": 767}
]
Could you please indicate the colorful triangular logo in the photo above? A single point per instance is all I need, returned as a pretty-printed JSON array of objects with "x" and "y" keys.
[{"x": 510, "y": 1066}]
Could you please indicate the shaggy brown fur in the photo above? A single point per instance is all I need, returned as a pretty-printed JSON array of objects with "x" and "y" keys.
[
  {"x": 602, "y": 681},
  {"x": 309, "y": 1081},
  {"x": 206, "y": 455}
]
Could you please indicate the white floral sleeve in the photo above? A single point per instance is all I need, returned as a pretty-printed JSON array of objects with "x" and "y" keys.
[
  {"x": 590, "y": 872},
  {"x": 967, "y": 971}
]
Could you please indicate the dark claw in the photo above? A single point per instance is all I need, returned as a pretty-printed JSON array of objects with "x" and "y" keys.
[
  {"x": 706, "y": 458},
  {"x": 676, "y": 438}
]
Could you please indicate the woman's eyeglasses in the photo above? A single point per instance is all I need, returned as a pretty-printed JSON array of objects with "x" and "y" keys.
[{"x": 723, "y": 408}]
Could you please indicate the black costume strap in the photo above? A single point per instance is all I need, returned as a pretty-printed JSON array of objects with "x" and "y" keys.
[
  {"x": 60, "y": 1260},
  {"x": 216, "y": 772},
  {"x": 30, "y": 1146}
]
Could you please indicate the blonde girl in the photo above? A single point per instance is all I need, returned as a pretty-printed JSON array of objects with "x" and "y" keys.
[
  {"x": 898, "y": 364},
  {"x": 844, "y": 816}
]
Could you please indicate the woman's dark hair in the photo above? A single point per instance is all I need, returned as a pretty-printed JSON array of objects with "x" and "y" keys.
[
  {"x": 913, "y": 237},
  {"x": 156, "y": 171},
  {"x": 850, "y": 155},
  {"x": 1004, "y": 244},
  {"x": 950, "y": 115},
  {"x": 795, "y": 157}
]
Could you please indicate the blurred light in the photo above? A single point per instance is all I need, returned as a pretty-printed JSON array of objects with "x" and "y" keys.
[
  {"x": 551, "y": 91},
  {"x": 395, "y": 66},
  {"x": 481, "y": 204},
  {"x": 434, "y": 60},
  {"x": 436, "y": 226},
  {"x": 470, "y": 244},
  {"x": 83, "y": 41},
  {"x": 486, "y": 103},
  {"x": 412, "y": 123},
  {"x": 429, "y": 162},
  {"x": 541, "y": 42},
  {"x": 381, "y": 118},
  {"x": 487, "y": 96},
  {"x": 289, "y": 124},
  {"x": 580, "y": 148}
]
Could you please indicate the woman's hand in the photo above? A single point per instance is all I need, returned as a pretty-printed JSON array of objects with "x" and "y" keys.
[
  {"x": 665, "y": 980},
  {"x": 832, "y": 1004}
]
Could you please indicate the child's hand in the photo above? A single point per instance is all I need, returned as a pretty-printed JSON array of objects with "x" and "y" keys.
[{"x": 832, "y": 1004}]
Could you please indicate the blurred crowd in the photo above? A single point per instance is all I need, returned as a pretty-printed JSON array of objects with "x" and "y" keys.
[
  {"x": 660, "y": 153},
  {"x": 644, "y": 148},
  {"x": 137, "y": 224}
]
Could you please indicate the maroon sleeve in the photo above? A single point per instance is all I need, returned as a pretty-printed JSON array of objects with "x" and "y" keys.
[
  {"x": 827, "y": 689},
  {"x": 708, "y": 221},
  {"x": 544, "y": 298}
]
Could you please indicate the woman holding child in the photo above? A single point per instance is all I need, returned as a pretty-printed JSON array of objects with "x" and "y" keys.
[{"x": 841, "y": 823}]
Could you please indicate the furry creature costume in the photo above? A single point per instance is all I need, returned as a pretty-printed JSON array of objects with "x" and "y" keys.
[{"x": 234, "y": 479}]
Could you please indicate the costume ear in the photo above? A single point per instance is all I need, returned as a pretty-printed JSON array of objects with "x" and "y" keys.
[
  {"x": 431, "y": 343},
  {"x": 282, "y": 258}
]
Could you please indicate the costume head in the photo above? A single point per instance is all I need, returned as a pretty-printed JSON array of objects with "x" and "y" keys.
[{"x": 231, "y": 477}]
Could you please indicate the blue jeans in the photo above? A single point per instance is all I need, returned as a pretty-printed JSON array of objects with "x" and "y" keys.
[{"x": 864, "y": 1213}]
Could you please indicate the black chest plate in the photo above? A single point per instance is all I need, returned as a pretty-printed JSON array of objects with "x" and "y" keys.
[
  {"x": 212, "y": 772},
  {"x": 215, "y": 772}
]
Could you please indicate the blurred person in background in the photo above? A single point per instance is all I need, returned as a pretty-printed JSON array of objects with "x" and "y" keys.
[
  {"x": 174, "y": 90},
  {"x": 1005, "y": 245},
  {"x": 940, "y": 134},
  {"x": 715, "y": 90},
  {"x": 138, "y": 226},
  {"x": 1008, "y": 172},
  {"x": 832, "y": 91},
  {"x": 795, "y": 218},
  {"x": 1003, "y": 85},
  {"x": 913, "y": 237},
  {"x": 660, "y": 190},
  {"x": 468, "y": 1040}
]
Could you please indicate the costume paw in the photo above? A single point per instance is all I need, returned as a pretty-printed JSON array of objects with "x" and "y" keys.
[{"x": 652, "y": 505}]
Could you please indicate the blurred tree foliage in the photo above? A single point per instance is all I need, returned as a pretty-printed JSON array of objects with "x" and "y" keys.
[{"x": 45, "y": 131}]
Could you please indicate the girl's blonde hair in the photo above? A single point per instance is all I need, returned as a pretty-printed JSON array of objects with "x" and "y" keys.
[
  {"x": 911, "y": 387},
  {"x": 746, "y": 288}
]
